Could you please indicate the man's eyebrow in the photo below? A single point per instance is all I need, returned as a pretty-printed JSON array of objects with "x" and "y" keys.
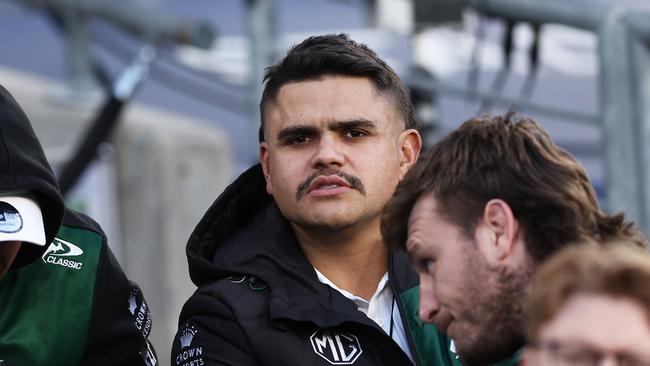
[
  {"x": 354, "y": 123},
  {"x": 296, "y": 130},
  {"x": 308, "y": 130}
]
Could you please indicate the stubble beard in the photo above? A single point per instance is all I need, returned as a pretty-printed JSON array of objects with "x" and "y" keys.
[
  {"x": 501, "y": 314},
  {"x": 344, "y": 221}
]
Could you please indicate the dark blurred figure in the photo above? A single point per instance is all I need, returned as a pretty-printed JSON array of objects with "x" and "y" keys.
[{"x": 64, "y": 299}]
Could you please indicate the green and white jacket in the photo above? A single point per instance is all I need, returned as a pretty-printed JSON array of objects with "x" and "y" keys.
[
  {"x": 74, "y": 306},
  {"x": 433, "y": 347}
]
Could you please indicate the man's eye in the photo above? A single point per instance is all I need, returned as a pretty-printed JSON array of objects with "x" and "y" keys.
[
  {"x": 302, "y": 139},
  {"x": 430, "y": 264},
  {"x": 425, "y": 265},
  {"x": 354, "y": 134}
]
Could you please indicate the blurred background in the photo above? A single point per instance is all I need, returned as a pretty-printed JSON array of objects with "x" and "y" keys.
[{"x": 147, "y": 109}]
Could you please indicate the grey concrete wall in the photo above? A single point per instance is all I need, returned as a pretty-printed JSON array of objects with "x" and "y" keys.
[{"x": 170, "y": 171}]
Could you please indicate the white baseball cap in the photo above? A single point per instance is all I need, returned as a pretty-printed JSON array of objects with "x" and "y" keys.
[{"x": 21, "y": 220}]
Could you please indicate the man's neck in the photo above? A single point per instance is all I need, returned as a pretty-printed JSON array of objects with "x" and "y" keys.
[{"x": 353, "y": 260}]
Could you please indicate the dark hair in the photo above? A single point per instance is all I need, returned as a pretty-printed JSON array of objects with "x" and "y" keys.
[
  {"x": 617, "y": 269},
  {"x": 515, "y": 160},
  {"x": 334, "y": 54}
]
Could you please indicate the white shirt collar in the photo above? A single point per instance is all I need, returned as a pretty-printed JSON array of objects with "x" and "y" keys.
[
  {"x": 361, "y": 303},
  {"x": 380, "y": 309}
]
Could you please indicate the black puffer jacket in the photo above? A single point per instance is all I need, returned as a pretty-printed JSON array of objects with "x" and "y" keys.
[{"x": 259, "y": 300}]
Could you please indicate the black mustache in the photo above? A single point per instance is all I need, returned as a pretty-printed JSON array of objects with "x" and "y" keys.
[{"x": 353, "y": 181}]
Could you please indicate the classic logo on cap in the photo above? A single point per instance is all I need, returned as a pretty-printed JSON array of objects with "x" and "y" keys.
[{"x": 10, "y": 220}]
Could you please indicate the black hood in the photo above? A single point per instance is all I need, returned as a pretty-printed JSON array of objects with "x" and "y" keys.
[
  {"x": 25, "y": 170},
  {"x": 244, "y": 233},
  {"x": 232, "y": 210}
]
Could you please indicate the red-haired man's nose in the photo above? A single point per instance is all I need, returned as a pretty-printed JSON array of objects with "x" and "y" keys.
[{"x": 429, "y": 305}]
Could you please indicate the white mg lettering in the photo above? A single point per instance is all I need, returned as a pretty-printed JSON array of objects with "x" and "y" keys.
[
  {"x": 337, "y": 348},
  {"x": 334, "y": 353},
  {"x": 321, "y": 342},
  {"x": 327, "y": 342},
  {"x": 351, "y": 345}
]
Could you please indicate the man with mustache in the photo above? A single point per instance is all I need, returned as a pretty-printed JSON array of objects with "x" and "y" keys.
[
  {"x": 289, "y": 260},
  {"x": 477, "y": 215}
]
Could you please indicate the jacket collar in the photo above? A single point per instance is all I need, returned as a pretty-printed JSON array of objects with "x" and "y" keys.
[{"x": 268, "y": 249}]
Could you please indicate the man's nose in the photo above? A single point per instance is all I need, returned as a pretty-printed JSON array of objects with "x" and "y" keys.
[
  {"x": 329, "y": 151},
  {"x": 429, "y": 305},
  {"x": 608, "y": 360}
]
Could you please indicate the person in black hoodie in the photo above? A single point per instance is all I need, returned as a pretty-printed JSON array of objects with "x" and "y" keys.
[
  {"x": 64, "y": 300},
  {"x": 289, "y": 261}
]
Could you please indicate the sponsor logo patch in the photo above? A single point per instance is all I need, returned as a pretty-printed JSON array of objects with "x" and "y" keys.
[
  {"x": 187, "y": 335},
  {"x": 188, "y": 355},
  {"x": 337, "y": 348},
  {"x": 60, "y": 252},
  {"x": 140, "y": 311}
]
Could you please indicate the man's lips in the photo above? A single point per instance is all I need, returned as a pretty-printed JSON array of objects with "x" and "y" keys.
[
  {"x": 328, "y": 182},
  {"x": 327, "y": 185},
  {"x": 442, "y": 320}
]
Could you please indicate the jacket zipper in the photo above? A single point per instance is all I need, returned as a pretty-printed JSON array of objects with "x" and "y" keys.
[{"x": 397, "y": 292}]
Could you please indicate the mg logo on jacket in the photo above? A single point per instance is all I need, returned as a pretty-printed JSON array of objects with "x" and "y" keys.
[{"x": 336, "y": 347}]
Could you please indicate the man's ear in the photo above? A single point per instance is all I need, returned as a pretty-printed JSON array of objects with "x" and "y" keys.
[
  {"x": 264, "y": 160},
  {"x": 410, "y": 145},
  {"x": 497, "y": 233}
]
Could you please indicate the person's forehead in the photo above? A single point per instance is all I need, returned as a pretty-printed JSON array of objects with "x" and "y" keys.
[
  {"x": 425, "y": 207},
  {"x": 326, "y": 89},
  {"x": 422, "y": 217},
  {"x": 599, "y": 320},
  {"x": 344, "y": 96}
]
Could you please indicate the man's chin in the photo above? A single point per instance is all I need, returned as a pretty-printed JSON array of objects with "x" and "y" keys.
[
  {"x": 325, "y": 222},
  {"x": 480, "y": 354}
]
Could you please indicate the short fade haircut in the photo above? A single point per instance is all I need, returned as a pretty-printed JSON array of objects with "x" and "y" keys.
[
  {"x": 335, "y": 55},
  {"x": 618, "y": 269},
  {"x": 513, "y": 159}
]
